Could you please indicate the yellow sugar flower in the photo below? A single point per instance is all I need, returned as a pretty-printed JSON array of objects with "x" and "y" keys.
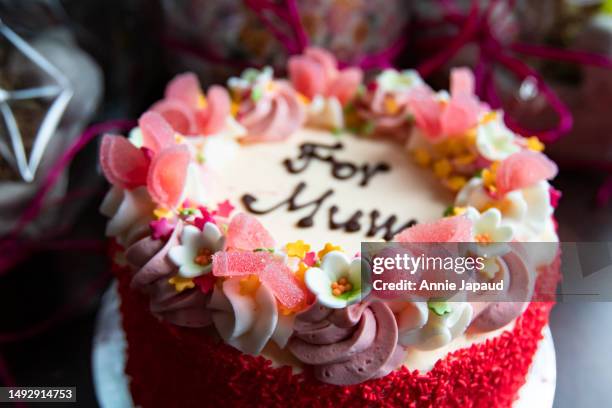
[
  {"x": 456, "y": 183},
  {"x": 488, "y": 117},
  {"x": 329, "y": 247},
  {"x": 160, "y": 213},
  {"x": 533, "y": 143},
  {"x": 180, "y": 283},
  {"x": 442, "y": 168},
  {"x": 297, "y": 248},
  {"x": 421, "y": 157}
]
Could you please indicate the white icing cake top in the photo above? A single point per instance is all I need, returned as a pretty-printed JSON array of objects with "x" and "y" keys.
[{"x": 406, "y": 191}]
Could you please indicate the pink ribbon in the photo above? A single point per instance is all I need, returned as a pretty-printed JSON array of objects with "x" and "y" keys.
[
  {"x": 475, "y": 28},
  {"x": 14, "y": 248}
]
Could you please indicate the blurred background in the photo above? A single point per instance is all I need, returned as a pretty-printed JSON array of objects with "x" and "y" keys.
[{"x": 68, "y": 64}]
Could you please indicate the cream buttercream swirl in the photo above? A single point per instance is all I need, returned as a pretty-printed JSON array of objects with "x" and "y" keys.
[
  {"x": 275, "y": 115},
  {"x": 128, "y": 211},
  {"x": 347, "y": 346},
  {"x": 248, "y": 321},
  {"x": 152, "y": 269}
]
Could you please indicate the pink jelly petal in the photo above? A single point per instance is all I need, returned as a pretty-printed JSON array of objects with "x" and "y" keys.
[
  {"x": 524, "y": 169},
  {"x": 156, "y": 132},
  {"x": 460, "y": 115},
  {"x": 345, "y": 86},
  {"x": 306, "y": 76},
  {"x": 239, "y": 263},
  {"x": 453, "y": 229},
  {"x": 186, "y": 88},
  {"x": 212, "y": 119},
  {"x": 270, "y": 269},
  {"x": 461, "y": 81},
  {"x": 123, "y": 164},
  {"x": 426, "y": 111},
  {"x": 283, "y": 283},
  {"x": 325, "y": 60},
  {"x": 168, "y": 176},
  {"x": 180, "y": 116},
  {"x": 245, "y": 232}
]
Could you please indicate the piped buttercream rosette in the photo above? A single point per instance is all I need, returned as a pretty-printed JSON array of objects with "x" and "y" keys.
[
  {"x": 152, "y": 271},
  {"x": 347, "y": 346}
]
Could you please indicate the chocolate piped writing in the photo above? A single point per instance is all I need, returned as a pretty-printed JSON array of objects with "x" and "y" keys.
[
  {"x": 292, "y": 204},
  {"x": 387, "y": 226},
  {"x": 350, "y": 225},
  {"x": 341, "y": 170}
]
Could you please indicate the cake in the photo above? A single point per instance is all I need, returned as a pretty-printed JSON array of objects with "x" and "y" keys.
[{"x": 236, "y": 218}]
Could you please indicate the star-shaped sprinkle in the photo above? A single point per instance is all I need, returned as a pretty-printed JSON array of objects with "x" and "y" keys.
[
  {"x": 329, "y": 247},
  {"x": 180, "y": 284},
  {"x": 310, "y": 259},
  {"x": 297, "y": 248},
  {"x": 225, "y": 208},
  {"x": 207, "y": 216},
  {"x": 161, "y": 229}
]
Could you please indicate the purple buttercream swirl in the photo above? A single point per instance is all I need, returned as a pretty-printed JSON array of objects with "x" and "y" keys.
[
  {"x": 347, "y": 346},
  {"x": 152, "y": 269}
]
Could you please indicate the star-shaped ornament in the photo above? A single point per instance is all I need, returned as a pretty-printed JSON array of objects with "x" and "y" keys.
[{"x": 56, "y": 92}]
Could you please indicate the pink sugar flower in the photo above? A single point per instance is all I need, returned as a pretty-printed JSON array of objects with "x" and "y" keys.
[
  {"x": 188, "y": 111},
  {"x": 523, "y": 169},
  {"x": 316, "y": 72},
  {"x": 160, "y": 164},
  {"x": 439, "y": 119}
]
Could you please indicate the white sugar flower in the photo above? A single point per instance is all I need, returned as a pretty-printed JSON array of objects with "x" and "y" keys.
[
  {"x": 487, "y": 226},
  {"x": 194, "y": 255},
  {"x": 254, "y": 80},
  {"x": 391, "y": 80},
  {"x": 490, "y": 236},
  {"x": 337, "y": 283},
  {"x": 494, "y": 140},
  {"x": 445, "y": 322}
]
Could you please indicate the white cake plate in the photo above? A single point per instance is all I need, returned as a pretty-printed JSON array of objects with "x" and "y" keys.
[{"x": 111, "y": 383}]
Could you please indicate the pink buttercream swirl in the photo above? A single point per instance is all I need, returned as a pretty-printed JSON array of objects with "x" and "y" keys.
[
  {"x": 152, "y": 269},
  {"x": 347, "y": 346},
  {"x": 273, "y": 116}
]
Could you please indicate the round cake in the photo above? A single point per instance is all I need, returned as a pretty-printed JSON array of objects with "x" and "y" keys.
[{"x": 237, "y": 217}]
